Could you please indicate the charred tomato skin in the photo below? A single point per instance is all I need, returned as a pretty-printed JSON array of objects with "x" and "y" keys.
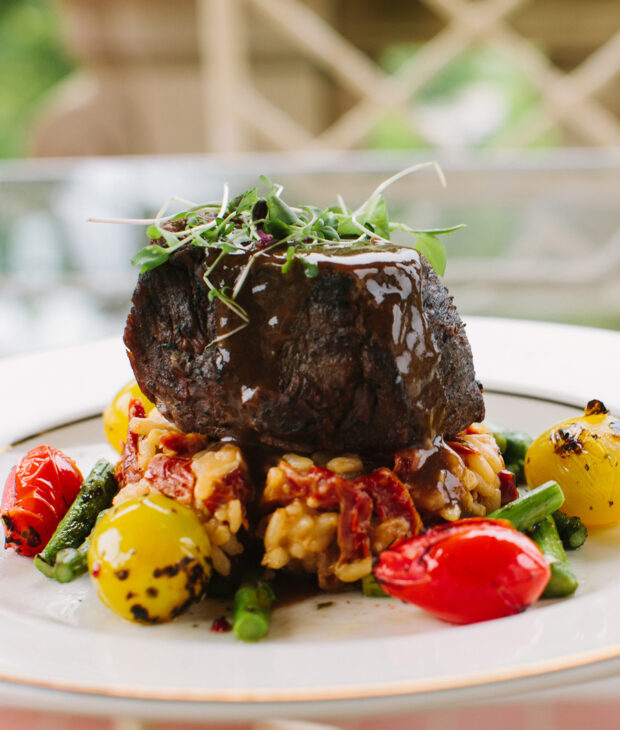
[
  {"x": 583, "y": 455},
  {"x": 466, "y": 571},
  {"x": 149, "y": 558},
  {"x": 37, "y": 494}
]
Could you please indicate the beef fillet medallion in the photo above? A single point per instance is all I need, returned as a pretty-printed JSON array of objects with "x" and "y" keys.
[{"x": 366, "y": 355}]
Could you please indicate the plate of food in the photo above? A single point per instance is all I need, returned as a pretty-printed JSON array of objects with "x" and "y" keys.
[{"x": 307, "y": 504}]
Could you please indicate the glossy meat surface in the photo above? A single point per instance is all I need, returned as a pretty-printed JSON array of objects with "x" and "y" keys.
[{"x": 369, "y": 356}]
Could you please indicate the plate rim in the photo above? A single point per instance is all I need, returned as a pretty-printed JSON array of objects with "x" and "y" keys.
[
  {"x": 601, "y": 660},
  {"x": 401, "y": 689}
]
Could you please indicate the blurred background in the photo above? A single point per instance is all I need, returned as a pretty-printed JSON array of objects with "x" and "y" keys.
[{"x": 108, "y": 107}]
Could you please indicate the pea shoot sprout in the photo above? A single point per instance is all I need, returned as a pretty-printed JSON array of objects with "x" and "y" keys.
[{"x": 256, "y": 224}]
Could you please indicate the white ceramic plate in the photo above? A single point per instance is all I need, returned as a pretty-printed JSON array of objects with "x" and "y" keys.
[{"x": 61, "y": 649}]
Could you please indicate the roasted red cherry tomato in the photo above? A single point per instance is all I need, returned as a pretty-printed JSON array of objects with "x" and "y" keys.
[
  {"x": 37, "y": 493},
  {"x": 465, "y": 571}
]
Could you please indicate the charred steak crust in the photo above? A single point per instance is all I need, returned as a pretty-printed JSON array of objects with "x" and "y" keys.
[
  {"x": 370, "y": 356},
  {"x": 456, "y": 367}
]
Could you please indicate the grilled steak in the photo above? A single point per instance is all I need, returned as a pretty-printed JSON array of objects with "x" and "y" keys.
[{"x": 368, "y": 356}]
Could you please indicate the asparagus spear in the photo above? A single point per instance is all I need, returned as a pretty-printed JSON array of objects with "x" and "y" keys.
[
  {"x": 562, "y": 581},
  {"x": 371, "y": 587},
  {"x": 95, "y": 495},
  {"x": 71, "y": 562},
  {"x": 572, "y": 531},
  {"x": 513, "y": 446},
  {"x": 532, "y": 507},
  {"x": 533, "y": 513},
  {"x": 252, "y": 609}
]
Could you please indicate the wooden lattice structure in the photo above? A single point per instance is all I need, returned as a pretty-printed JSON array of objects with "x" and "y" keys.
[{"x": 236, "y": 75}]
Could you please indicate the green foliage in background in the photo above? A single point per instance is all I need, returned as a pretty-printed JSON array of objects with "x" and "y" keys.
[
  {"x": 32, "y": 61},
  {"x": 480, "y": 68}
]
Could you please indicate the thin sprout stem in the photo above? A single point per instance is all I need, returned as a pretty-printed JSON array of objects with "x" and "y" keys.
[
  {"x": 403, "y": 173},
  {"x": 314, "y": 219},
  {"x": 225, "y": 196},
  {"x": 234, "y": 307},
  {"x": 205, "y": 226},
  {"x": 159, "y": 218},
  {"x": 171, "y": 199},
  {"x": 211, "y": 204},
  {"x": 367, "y": 231},
  {"x": 221, "y": 338},
  {"x": 131, "y": 221},
  {"x": 242, "y": 277},
  {"x": 163, "y": 209},
  {"x": 197, "y": 229},
  {"x": 421, "y": 231},
  {"x": 206, "y": 280},
  {"x": 211, "y": 268},
  {"x": 246, "y": 269},
  {"x": 300, "y": 232},
  {"x": 189, "y": 203},
  {"x": 309, "y": 211},
  {"x": 302, "y": 237},
  {"x": 230, "y": 303},
  {"x": 408, "y": 171}
]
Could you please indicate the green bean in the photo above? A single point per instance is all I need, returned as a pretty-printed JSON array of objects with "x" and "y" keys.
[
  {"x": 371, "y": 587},
  {"x": 513, "y": 446},
  {"x": 572, "y": 531},
  {"x": 562, "y": 581},
  {"x": 532, "y": 507},
  {"x": 71, "y": 562},
  {"x": 252, "y": 609},
  {"x": 95, "y": 495}
]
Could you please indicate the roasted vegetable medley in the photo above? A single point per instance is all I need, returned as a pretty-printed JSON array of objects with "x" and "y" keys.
[
  {"x": 149, "y": 542},
  {"x": 306, "y": 407}
]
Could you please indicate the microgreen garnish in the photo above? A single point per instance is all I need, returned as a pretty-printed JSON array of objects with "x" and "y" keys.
[{"x": 256, "y": 224}]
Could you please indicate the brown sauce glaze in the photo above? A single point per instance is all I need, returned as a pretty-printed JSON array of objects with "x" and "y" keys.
[
  {"x": 389, "y": 282},
  {"x": 347, "y": 360},
  {"x": 430, "y": 475}
]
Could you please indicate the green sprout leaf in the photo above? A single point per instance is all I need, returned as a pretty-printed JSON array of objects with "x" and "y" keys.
[
  {"x": 254, "y": 225},
  {"x": 376, "y": 218},
  {"x": 432, "y": 231},
  {"x": 192, "y": 221},
  {"x": 150, "y": 257},
  {"x": 243, "y": 202},
  {"x": 290, "y": 255},
  {"x": 280, "y": 217},
  {"x": 277, "y": 228},
  {"x": 311, "y": 269},
  {"x": 346, "y": 228},
  {"x": 328, "y": 232},
  {"x": 433, "y": 250}
]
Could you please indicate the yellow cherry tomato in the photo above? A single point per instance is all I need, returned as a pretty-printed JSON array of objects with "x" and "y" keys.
[
  {"x": 115, "y": 415},
  {"x": 582, "y": 455},
  {"x": 149, "y": 558}
]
